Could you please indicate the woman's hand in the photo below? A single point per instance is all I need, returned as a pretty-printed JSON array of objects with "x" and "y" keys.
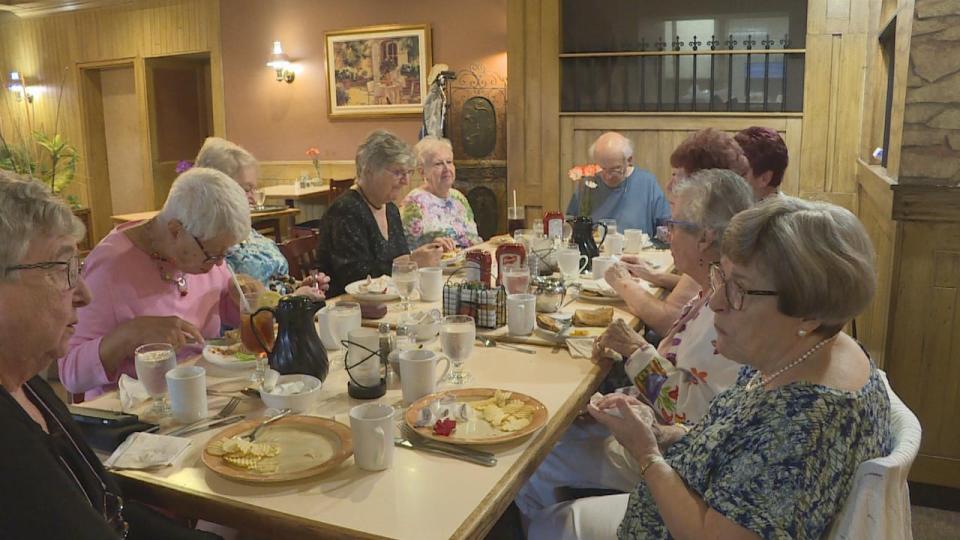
[
  {"x": 427, "y": 255},
  {"x": 319, "y": 282},
  {"x": 634, "y": 429},
  {"x": 639, "y": 268},
  {"x": 619, "y": 338},
  {"x": 617, "y": 276},
  {"x": 446, "y": 243}
]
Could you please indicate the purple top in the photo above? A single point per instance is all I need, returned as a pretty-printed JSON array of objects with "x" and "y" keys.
[{"x": 125, "y": 284}]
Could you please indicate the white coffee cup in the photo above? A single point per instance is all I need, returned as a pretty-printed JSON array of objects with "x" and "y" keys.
[
  {"x": 600, "y": 265},
  {"x": 371, "y": 425},
  {"x": 187, "y": 387},
  {"x": 335, "y": 322},
  {"x": 571, "y": 262},
  {"x": 418, "y": 373},
  {"x": 431, "y": 284},
  {"x": 521, "y": 314},
  {"x": 634, "y": 240},
  {"x": 613, "y": 245}
]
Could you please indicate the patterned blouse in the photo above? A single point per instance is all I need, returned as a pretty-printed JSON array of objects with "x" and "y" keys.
[
  {"x": 257, "y": 256},
  {"x": 778, "y": 462},
  {"x": 351, "y": 245},
  {"x": 681, "y": 378},
  {"x": 426, "y": 217}
]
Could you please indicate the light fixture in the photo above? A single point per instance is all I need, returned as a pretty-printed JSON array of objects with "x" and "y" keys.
[
  {"x": 280, "y": 63},
  {"x": 17, "y": 87}
]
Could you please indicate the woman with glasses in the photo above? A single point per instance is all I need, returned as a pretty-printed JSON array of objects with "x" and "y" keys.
[
  {"x": 160, "y": 281},
  {"x": 436, "y": 211},
  {"x": 361, "y": 233},
  {"x": 53, "y": 484},
  {"x": 775, "y": 455},
  {"x": 673, "y": 384}
]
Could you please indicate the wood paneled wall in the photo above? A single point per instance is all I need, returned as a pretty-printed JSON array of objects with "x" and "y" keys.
[{"x": 48, "y": 50}]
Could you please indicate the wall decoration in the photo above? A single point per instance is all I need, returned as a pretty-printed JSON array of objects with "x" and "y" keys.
[{"x": 377, "y": 71}]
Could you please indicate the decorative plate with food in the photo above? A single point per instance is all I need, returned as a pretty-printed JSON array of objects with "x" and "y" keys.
[
  {"x": 372, "y": 289},
  {"x": 228, "y": 352},
  {"x": 476, "y": 416}
]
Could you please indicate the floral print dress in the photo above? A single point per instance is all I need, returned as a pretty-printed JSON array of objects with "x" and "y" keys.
[
  {"x": 426, "y": 217},
  {"x": 778, "y": 462},
  {"x": 681, "y": 378}
]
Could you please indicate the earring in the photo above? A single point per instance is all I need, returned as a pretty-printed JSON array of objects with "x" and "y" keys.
[{"x": 801, "y": 332}]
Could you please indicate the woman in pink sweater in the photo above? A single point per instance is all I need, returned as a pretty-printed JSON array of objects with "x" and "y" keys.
[{"x": 160, "y": 280}]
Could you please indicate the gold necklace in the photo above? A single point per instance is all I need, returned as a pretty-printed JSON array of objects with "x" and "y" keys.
[
  {"x": 759, "y": 380},
  {"x": 179, "y": 279}
]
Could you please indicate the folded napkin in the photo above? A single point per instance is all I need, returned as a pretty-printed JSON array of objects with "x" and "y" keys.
[
  {"x": 132, "y": 393},
  {"x": 147, "y": 451},
  {"x": 599, "y": 286},
  {"x": 580, "y": 347}
]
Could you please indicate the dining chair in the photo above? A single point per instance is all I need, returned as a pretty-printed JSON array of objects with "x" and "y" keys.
[
  {"x": 337, "y": 188},
  {"x": 878, "y": 505},
  {"x": 302, "y": 253}
]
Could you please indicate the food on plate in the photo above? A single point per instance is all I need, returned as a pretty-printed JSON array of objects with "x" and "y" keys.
[
  {"x": 504, "y": 413},
  {"x": 578, "y": 333},
  {"x": 601, "y": 316},
  {"x": 374, "y": 285},
  {"x": 268, "y": 299},
  {"x": 450, "y": 255},
  {"x": 500, "y": 239},
  {"x": 373, "y": 311},
  {"x": 243, "y": 454},
  {"x": 445, "y": 427},
  {"x": 548, "y": 323},
  {"x": 591, "y": 294}
]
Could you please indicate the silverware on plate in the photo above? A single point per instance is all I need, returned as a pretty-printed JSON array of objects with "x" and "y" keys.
[
  {"x": 210, "y": 424},
  {"x": 226, "y": 411},
  {"x": 409, "y": 438}
]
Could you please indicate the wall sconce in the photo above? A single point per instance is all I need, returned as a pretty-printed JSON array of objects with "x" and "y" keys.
[
  {"x": 17, "y": 87},
  {"x": 280, "y": 63}
]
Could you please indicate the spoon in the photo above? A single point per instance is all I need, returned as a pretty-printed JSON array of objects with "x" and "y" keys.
[{"x": 487, "y": 342}]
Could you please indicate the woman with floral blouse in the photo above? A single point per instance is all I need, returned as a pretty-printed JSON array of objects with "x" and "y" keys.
[{"x": 436, "y": 210}]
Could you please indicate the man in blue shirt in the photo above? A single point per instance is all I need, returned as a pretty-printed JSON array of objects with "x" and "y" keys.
[{"x": 623, "y": 191}]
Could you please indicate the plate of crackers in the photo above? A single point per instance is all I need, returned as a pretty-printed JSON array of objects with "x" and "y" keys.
[
  {"x": 291, "y": 448},
  {"x": 476, "y": 416}
]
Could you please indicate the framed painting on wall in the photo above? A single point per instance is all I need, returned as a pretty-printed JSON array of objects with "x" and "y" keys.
[{"x": 377, "y": 71}]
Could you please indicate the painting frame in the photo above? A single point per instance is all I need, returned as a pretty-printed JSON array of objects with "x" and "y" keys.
[{"x": 383, "y": 69}]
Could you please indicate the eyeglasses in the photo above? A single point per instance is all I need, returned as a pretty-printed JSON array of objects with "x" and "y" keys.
[
  {"x": 400, "y": 173},
  {"x": 209, "y": 258},
  {"x": 733, "y": 293},
  {"x": 113, "y": 513},
  {"x": 73, "y": 267},
  {"x": 689, "y": 225},
  {"x": 618, "y": 170}
]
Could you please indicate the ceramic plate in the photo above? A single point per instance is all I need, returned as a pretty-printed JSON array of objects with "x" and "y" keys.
[
  {"x": 597, "y": 291},
  {"x": 354, "y": 289},
  {"x": 222, "y": 355},
  {"x": 477, "y": 430},
  {"x": 309, "y": 446}
]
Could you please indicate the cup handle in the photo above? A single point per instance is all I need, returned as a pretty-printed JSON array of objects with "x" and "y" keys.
[
  {"x": 445, "y": 370},
  {"x": 256, "y": 334},
  {"x": 584, "y": 261},
  {"x": 382, "y": 441}
]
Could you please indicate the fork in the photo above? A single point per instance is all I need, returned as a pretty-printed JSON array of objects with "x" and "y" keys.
[
  {"x": 411, "y": 439},
  {"x": 226, "y": 411},
  {"x": 253, "y": 434}
]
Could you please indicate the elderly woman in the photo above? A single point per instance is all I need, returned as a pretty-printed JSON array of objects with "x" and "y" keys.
[
  {"x": 54, "y": 485},
  {"x": 160, "y": 280},
  {"x": 704, "y": 149},
  {"x": 757, "y": 465},
  {"x": 435, "y": 210},
  {"x": 257, "y": 256},
  {"x": 681, "y": 378},
  {"x": 362, "y": 232}
]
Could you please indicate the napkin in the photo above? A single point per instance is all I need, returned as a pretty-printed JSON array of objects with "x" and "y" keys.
[
  {"x": 147, "y": 451},
  {"x": 132, "y": 393},
  {"x": 580, "y": 347}
]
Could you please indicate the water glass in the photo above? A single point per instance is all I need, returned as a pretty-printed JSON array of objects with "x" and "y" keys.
[
  {"x": 457, "y": 334},
  {"x": 259, "y": 197},
  {"x": 152, "y": 362},
  {"x": 516, "y": 278},
  {"x": 405, "y": 279}
]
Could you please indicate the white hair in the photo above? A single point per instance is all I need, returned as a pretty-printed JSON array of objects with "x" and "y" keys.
[
  {"x": 612, "y": 140},
  {"x": 224, "y": 156},
  {"x": 429, "y": 146},
  {"x": 208, "y": 203},
  {"x": 29, "y": 210}
]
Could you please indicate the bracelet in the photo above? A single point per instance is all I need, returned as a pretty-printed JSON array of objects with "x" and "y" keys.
[{"x": 649, "y": 462}]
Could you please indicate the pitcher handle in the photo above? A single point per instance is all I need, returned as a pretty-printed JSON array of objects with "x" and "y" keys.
[
  {"x": 604, "y": 236},
  {"x": 253, "y": 328}
]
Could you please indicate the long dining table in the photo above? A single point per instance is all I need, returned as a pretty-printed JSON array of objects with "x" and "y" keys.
[{"x": 422, "y": 495}]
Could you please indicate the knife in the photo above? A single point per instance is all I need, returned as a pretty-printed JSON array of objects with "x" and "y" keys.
[
  {"x": 479, "y": 459},
  {"x": 214, "y": 424}
]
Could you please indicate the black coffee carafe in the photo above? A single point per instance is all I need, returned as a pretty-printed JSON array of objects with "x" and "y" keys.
[
  {"x": 582, "y": 236},
  {"x": 298, "y": 348}
]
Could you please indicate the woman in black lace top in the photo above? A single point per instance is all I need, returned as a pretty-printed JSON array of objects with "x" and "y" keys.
[{"x": 361, "y": 233}]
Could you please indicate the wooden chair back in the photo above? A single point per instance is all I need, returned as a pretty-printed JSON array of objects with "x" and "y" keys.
[
  {"x": 338, "y": 187},
  {"x": 302, "y": 253}
]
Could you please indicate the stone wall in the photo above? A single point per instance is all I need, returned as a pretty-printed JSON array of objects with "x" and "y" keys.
[{"x": 931, "y": 127}]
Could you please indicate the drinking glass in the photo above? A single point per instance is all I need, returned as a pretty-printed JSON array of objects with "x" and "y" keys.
[
  {"x": 263, "y": 326},
  {"x": 516, "y": 278},
  {"x": 457, "y": 334},
  {"x": 152, "y": 362},
  {"x": 259, "y": 197},
  {"x": 344, "y": 318},
  {"x": 405, "y": 279}
]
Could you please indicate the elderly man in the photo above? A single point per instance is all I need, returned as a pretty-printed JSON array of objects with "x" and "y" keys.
[
  {"x": 767, "y": 154},
  {"x": 625, "y": 192}
]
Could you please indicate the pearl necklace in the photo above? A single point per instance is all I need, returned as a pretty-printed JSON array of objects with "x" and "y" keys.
[
  {"x": 758, "y": 378},
  {"x": 179, "y": 279}
]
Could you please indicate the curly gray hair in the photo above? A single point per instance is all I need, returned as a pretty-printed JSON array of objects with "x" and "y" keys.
[
  {"x": 428, "y": 147},
  {"x": 224, "y": 156},
  {"x": 710, "y": 198},
  {"x": 379, "y": 151},
  {"x": 29, "y": 210},
  {"x": 208, "y": 203}
]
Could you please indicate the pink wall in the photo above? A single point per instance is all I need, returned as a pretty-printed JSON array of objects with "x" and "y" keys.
[{"x": 279, "y": 121}]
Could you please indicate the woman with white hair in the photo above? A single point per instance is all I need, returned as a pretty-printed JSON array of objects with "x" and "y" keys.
[
  {"x": 435, "y": 210},
  {"x": 362, "y": 232},
  {"x": 257, "y": 256},
  {"x": 53, "y": 484},
  {"x": 159, "y": 281}
]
